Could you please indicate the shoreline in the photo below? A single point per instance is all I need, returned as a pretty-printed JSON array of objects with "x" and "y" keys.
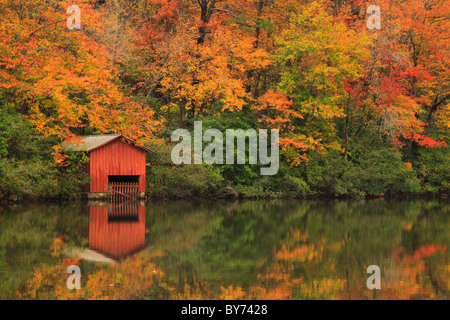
[{"x": 212, "y": 197}]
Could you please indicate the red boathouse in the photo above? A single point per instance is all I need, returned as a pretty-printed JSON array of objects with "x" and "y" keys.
[{"x": 116, "y": 166}]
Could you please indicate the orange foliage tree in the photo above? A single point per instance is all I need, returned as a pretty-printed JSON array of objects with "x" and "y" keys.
[{"x": 62, "y": 79}]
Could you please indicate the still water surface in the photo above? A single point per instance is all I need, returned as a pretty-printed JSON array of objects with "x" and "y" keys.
[{"x": 277, "y": 249}]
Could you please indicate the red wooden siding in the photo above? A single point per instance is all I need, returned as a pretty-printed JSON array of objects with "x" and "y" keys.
[
  {"x": 115, "y": 239},
  {"x": 116, "y": 158}
]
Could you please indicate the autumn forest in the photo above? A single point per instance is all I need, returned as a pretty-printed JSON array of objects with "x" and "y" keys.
[
  {"x": 358, "y": 90},
  {"x": 361, "y": 111}
]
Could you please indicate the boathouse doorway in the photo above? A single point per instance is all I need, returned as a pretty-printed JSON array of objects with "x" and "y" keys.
[{"x": 123, "y": 187}]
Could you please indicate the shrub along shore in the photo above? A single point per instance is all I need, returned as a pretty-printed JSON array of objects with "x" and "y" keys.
[{"x": 374, "y": 173}]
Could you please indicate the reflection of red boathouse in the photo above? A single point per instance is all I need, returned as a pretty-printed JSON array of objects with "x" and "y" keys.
[{"x": 117, "y": 230}]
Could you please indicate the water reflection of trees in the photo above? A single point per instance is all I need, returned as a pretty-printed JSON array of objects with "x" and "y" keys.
[
  {"x": 314, "y": 250},
  {"x": 26, "y": 234},
  {"x": 285, "y": 250}
]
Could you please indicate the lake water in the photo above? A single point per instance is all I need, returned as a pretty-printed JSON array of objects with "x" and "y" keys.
[{"x": 271, "y": 249}]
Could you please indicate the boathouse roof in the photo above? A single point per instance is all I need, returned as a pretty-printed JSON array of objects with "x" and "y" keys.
[{"x": 89, "y": 143}]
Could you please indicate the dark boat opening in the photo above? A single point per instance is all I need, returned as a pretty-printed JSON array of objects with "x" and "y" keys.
[
  {"x": 126, "y": 179},
  {"x": 123, "y": 188}
]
